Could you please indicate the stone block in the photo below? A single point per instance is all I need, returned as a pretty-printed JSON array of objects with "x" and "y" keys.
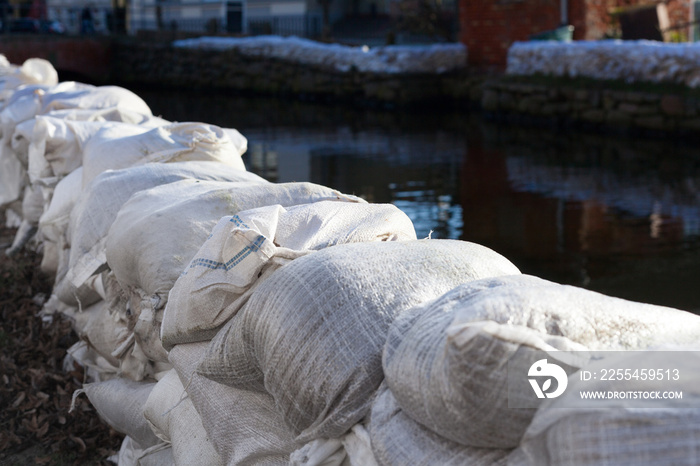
[
  {"x": 490, "y": 100},
  {"x": 672, "y": 105},
  {"x": 618, "y": 118},
  {"x": 691, "y": 124},
  {"x": 658, "y": 122},
  {"x": 507, "y": 101},
  {"x": 594, "y": 115},
  {"x": 638, "y": 109}
]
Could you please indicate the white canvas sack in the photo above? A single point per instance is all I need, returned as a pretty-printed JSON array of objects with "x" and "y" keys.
[
  {"x": 158, "y": 231},
  {"x": 96, "y": 210},
  {"x": 56, "y": 145},
  {"x": 398, "y": 440},
  {"x": 94, "y": 97},
  {"x": 177, "y": 142},
  {"x": 173, "y": 418},
  {"x": 244, "y": 426},
  {"x": 32, "y": 71},
  {"x": 120, "y": 403},
  {"x": 312, "y": 334},
  {"x": 352, "y": 449},
  {"x": 131, "y": 453},
  {"x": 446, "y": 362},
  {"x": 244, "y": 249},
  {"x": 571, "y": 430}
]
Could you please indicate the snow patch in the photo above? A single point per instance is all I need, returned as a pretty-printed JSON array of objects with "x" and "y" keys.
[
  {"x": 631, "y": 61},
  {"x": 437, "y": 58}
]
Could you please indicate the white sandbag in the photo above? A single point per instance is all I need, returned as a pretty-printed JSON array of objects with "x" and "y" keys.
[
  {"x": 32, "y": 71},
  {"x": 56, "y": 145},
  {"x": 446, "y": 362},
  {"x": 99, "y": 97},
  {"x": 312, "y": 334},
  {"x": 244, "y": 426},
  {"x": 120, "y": 403},
  {"x": 12, "y": 175},
  {"x": 101, "y": 329},
  {"x": 245, "y": 249},
  {"x": 53, "y": 224},
  {"x": 397, "y": 440},
  {"x": 177, "y": 142},
  {"x": 133, "y": 362},
  {"x": 23, "y": 105},
  {"x": 352, "y": 449},
  {"x": 118, "y": 114},
  {"x": 572, "y": 430},
  {"x": 54, "y": 221},
  {"x": 97, "y": 368},
  {"x": 173, "y": 418},
  {"x": 32, "y": 204},
  {"x": 158, "y": 231},
  {"x": 131, "y": 453},
  {"x": 32, "y": 208},
  {"x": 12, "y": 217},
  {"x": 98, "y": 207}
]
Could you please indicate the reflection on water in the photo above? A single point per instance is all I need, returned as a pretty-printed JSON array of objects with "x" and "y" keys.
[{"x": 621, "y": 216}]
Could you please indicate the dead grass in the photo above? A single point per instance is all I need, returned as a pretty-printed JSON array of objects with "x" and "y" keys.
[{"x": 35, "y": 391}]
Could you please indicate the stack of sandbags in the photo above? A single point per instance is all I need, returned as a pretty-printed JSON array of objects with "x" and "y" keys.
[
  {"x": 310, "y": 337},
  {"x": 244, "y": 250},
  {"x": 158, "y": 231},
  {"x": 84, "y": 238},
  {"x": 177, "y": 142},
  {"x": 224, "y": 319},
  {"x": 240, "y": 255}
]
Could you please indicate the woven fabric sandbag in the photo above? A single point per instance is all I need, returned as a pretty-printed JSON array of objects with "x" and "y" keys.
[
  {"x": 101, "y": 329},
  {"x": 132, "y": 454},
  {"x": 569, "y": 430},
  {"x": 96, "y": 97},
  {"x": 158, "y": 231},
  {"x": 312, "y": 334},
  {"x": 116, "y": 113},
  {"x": 177, "y": 142},
  {"x": 244, "y": 426},
  {"x": 398, "y": 440},
  {"x": 120, "y": 403},
  {"x": 352, "y": 449},
  {"x": 97, "y": 208},
  {"x": 33, "y": 71},
  {"x": 243, "y": 250},
  {"x": 21, "y": 106},
  {"x": 55, "y": 145},
  {"x": 53, "y": 223},
  {"x": 446, "y": 362},
  {"x": 173, "y": 418}
]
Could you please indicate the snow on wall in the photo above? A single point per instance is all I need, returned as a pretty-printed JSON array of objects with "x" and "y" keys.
[
  {"x": 438, "y": 58},
  {"x": 631, "y": 61}
]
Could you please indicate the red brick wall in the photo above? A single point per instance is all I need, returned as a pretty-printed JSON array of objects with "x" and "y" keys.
[{"x": 489, "y": 27}]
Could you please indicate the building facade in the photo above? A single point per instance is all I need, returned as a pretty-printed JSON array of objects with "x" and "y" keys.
[{"x": 489, "y": 27}]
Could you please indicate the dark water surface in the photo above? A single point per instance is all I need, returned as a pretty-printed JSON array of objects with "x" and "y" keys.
[{"x": 617, "y": 215}]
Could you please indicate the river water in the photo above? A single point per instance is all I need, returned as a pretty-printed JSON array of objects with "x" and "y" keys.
[{"x": 618, "y": 215}]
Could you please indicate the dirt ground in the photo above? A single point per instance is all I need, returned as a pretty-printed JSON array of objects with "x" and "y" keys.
[{"x": 35, "y": 390}]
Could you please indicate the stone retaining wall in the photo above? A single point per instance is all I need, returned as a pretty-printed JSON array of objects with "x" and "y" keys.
[
  {"x": 612, "y": 108},
  {"x": 166, "y": 66}
]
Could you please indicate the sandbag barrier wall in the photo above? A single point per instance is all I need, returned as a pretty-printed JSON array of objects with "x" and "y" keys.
[
  {"x": 180, "y": 68},
  {"x": 228, "y": 320}
]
